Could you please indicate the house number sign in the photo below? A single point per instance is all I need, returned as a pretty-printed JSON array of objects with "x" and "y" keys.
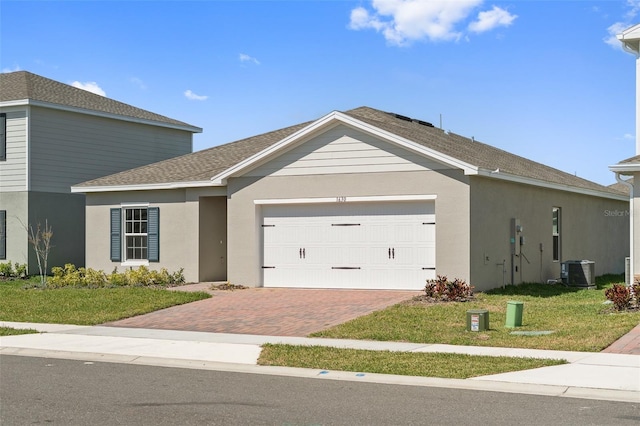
[{"x": 341, "y": 199}]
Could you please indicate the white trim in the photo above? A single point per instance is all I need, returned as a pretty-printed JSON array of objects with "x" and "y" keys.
[
  {"x": 345, "y": 199},
  {"x": 551, "y": 185},
  {"x": 338, "y": 117},
  {"x": 186, "y": 127},
  {"x": 133, "y": 204},
  {"x": 27, "y": 136},
  {"x": 143, "y": 187},
  {"x": 133, "y": 262}
]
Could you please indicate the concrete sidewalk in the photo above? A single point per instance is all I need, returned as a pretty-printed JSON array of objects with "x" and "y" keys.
[{"x": 604, "y": 376}]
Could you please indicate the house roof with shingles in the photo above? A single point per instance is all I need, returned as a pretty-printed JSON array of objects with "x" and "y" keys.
[
  {"x": 203, "y": 165},
  {"x": 23, "y": 86}
]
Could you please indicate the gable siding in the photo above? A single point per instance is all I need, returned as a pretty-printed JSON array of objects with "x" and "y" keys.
[
  {"x": 13, "y": 170},
  {"x": 68, "y": 148},
  {"x": 344, "y": 150}
]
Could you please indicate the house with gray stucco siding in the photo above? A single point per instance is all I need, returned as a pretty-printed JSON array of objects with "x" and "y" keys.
[
  {"x": 355, "y": 199},
  {"x": 53, "y": 136}
]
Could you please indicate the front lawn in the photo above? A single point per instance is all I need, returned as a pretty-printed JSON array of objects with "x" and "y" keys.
[
  {"x": 454, "y": 366},
  {"x": 83, "y": 306},
  {"x": 579, "y": 320}
]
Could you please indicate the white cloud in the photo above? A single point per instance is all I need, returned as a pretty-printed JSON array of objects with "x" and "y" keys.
[
  {"x": 628, "y": 136},
  {"x": 491, "y": 19},
  {"x": 90, "y": 86},
  {"x": 246, "y": 58},
  {"x": 14, "y": 69},
  {"x": 138, "y": 82},
  {"x": 193, "y": 97},
  {"x": 611, "y": 39},
  {"x": 403, "y": 21}
]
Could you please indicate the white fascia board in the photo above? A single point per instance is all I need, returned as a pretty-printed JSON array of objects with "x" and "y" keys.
[
  {"x": 188, "y": 128},
  {"x": 334, "y": 118},
  {"x": 630, "y": 39},
  {"x": 627, "y": 168},
  {"x": 551, "y": 185},
  {"x": 346, "y": 199},
  {"x": 142, "y": 187}
]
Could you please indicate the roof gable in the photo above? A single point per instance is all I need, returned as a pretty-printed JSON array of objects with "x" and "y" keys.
[
  {"x": 22, "y": 87},
  {"x": 213, "y": 166}
]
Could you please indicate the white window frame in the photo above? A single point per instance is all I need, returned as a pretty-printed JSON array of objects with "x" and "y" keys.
[
  {"x": 126, "y": 261},
  {"x": 556, "y": 230}
]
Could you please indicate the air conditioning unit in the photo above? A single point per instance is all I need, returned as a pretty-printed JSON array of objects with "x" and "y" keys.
[{"x": 578, "y": 273}]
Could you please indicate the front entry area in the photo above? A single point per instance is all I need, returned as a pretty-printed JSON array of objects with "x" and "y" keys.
[{"x": 354, "y": 245}]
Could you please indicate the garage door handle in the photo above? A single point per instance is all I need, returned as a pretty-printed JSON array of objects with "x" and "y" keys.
[
  {"x": 345, "y": 267},
  {"x": 268, "y": 267},
  {"x": 429, "y": 269},
  {"x": 392, "y": 253},
  {"x": 302, "y": 253}
]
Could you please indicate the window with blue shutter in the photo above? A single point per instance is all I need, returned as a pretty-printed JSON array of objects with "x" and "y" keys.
[
  {"x": 3, "y": 136},
  {"x": 116, "y": 244},
  {"x": 153, "y": 234}
]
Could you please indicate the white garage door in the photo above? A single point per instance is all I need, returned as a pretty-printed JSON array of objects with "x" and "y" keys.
[{"x": 384, "y": 245}]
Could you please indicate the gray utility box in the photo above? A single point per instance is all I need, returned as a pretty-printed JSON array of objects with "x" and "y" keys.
[{"x": 578, "y": 273}]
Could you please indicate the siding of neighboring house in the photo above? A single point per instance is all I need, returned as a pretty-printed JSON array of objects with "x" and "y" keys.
[
  {"x": 68, "y": 148},
  {"x": 494, "y": 203},
  {"x": 184, "y": 236},
  {"x": 452, "y": 212},
  {"x": 13, "y": 170}
]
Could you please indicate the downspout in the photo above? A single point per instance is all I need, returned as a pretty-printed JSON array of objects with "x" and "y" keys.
[{"x": 631, "y": 240}]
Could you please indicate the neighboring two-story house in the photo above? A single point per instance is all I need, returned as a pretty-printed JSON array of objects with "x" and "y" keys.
[{"x": 53, "y": 136}]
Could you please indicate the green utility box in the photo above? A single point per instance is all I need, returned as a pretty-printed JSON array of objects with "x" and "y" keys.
[
  {"x": 477, "y": 320},
  {"x": 514, "y": 314}
]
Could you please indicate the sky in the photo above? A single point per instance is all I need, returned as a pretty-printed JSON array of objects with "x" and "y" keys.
[{"x": 546, "y": 80}]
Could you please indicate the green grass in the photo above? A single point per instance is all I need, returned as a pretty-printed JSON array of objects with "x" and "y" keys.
[
  {"x": 8, "y": 331},
  {"x": 84, "y": 306},
  {"x": 454, "y": 366},
  {"x": 579, "y": 319}
]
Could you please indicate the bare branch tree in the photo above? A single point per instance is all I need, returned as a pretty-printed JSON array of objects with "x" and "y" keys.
[{"x": 40, "y": 240}]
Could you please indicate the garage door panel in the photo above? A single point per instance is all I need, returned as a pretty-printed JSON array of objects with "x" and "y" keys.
[{"x": 359, "y": 245}]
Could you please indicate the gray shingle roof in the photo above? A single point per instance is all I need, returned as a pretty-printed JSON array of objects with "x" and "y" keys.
[
  {"x": 23, "y": 85},
  {"x": 203, "y": 165}
]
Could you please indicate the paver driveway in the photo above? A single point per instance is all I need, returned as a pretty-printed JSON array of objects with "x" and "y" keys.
[{"x": 268, "y": 311}]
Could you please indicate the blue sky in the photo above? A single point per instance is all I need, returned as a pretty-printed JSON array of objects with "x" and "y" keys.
[{"x": 541, "y": 79}]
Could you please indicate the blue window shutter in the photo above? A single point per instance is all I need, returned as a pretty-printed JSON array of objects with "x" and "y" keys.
[
  {"x": 153, "y": 234},
  {"x": 3, "y": 234},
  {"x": 116, "y": 239}
]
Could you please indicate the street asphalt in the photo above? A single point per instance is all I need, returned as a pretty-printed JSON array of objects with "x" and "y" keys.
[{"x": 602, "y": 376}]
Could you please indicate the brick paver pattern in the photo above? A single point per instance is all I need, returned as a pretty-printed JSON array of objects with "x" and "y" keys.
[
  {"x": 627, "y": 344},
  {"x": 268, "y": 311}
]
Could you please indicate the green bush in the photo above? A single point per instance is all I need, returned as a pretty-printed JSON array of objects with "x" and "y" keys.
[
  {"x": 17, "y": 270},
  {"x": 70, "y": 276}
]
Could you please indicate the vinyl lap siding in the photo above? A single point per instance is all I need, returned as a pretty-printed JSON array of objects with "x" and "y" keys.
[
  {"x": 344, "y": 150},
  {"x": 69, "y": 148},
  {"x": 13, "y": 171}
]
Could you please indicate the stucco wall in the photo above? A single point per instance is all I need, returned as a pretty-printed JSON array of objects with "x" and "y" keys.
[
  {"x": 592, "y": 228},
  {"x": 452, "y": 212},
  {"x": 178, "y": 229},
  {"x": 16, "y": 205}
]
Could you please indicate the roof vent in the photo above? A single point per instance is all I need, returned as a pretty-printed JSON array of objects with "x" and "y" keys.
[
  {"x": 402, "y": 117},
  {"x": 424, "y": 123}
]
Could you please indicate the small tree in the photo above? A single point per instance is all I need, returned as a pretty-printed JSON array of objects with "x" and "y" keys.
[{"x": 40, "y": 240}]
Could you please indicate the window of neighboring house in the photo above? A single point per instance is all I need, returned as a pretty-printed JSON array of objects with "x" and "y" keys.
[
  {"x": 556, "y": 233},
  {"x": 3, "y": 234},
  {"x": 3, "y": 136},
  {"x": 135, "y": 234}
]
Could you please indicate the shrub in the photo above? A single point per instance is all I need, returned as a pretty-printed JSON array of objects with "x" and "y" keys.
[
  {"x": 443, "y": 289},
  {"x": 70, "y": 276},
  {"x": 17, "y": 270},
  {"x": 620, "y": 295}
]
